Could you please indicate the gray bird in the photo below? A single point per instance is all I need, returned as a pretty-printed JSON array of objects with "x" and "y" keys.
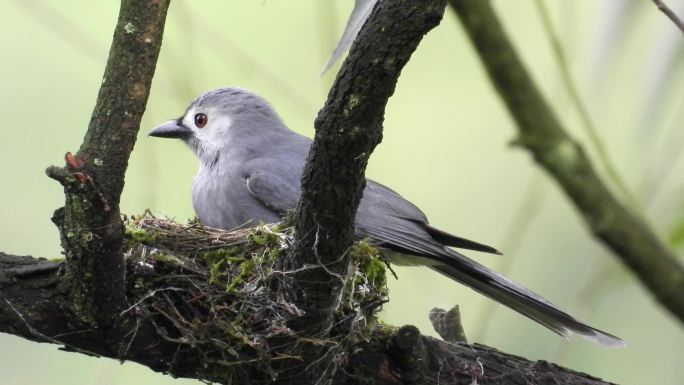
[{"x": 250, "y": 166}]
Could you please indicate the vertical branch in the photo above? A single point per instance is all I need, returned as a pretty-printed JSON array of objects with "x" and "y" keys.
[
  {"x": 621, "y": 229},
  {"x": 348, "y": 128},
  {"x": 123, "y": 94},
  {"x": 90, "y": 223}
]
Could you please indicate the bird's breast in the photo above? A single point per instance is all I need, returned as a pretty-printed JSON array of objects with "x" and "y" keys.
[
  {"x": 223, "y": 201},
  {"x": 212, "y": 197}
]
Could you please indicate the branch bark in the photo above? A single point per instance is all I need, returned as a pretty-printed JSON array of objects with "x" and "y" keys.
[
  {"x": 348, "y": 128},
  {"x": 622, "y": 230},
  {"x": 90, "y": 223},
  {"x": 32, "y": 306}
]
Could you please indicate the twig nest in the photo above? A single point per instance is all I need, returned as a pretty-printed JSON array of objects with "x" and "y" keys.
[{"x": 223, "y": 294}]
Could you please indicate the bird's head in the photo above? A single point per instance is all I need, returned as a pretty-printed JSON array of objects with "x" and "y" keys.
[{"x": 221, "y": 118}]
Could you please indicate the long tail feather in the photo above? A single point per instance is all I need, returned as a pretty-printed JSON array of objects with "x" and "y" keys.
[{"x": 524, "y": 301}]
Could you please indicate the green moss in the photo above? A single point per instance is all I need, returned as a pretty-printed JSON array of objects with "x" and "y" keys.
[
  {"x": 363, "y": 249},
  {"x": 76, "y": 243},
  {"x": 375, "y": 270},
  {"x": 135, "y": 236},
  {"x": 219, "y": 261},
  {"x": 230, "y": 254},
  {"x": 371, "y": 265},
  {"x": 215, "y": 271},
  {"x": 261, "y": 236},
  {"x": 76, "y": 219},
  {"x": 247, "y": 270},
  {"x": 274, "y": 252}
]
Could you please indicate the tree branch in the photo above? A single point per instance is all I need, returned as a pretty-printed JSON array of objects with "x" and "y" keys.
[
  {"x": 670, "y": 14},
  {"x": 348, "y": 128},
  {"x": 617, "y": 226},
  {"x": 32, "y": 306},
  {"x": 90, "y": 222}
]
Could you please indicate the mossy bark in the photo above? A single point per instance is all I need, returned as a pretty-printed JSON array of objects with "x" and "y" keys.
[
  {"x": 90, "y": 223},
  {"x": 348, "y": 128},
  {"x": 32, "y": 306}
]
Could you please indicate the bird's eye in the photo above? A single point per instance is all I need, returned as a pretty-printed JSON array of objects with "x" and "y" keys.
[{"x": 201, "y": 120}]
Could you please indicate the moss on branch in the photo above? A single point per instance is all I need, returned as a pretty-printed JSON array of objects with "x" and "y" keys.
[{"x": 90, "y": 225}]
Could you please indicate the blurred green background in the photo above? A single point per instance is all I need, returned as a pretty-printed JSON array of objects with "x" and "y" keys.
[{"x": 446, "y": 148}]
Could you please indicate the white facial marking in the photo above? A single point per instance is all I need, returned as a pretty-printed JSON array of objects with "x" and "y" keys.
[{"x": 213, "y": 136}]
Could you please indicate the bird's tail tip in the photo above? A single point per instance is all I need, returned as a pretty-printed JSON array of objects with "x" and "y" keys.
[{"x": 598, "y": 337}]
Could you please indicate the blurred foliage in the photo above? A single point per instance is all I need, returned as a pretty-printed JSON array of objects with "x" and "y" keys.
[
  {"x": 445, "y": 148},
  {"x": 677, "y": 234}
]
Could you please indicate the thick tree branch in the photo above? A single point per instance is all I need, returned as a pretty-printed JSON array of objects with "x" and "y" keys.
[
  {"x": 31, "y": 306},
  {"x": 90, "y": 222},
  {"x": 617, "y": 226},
  {"x": 348, "y": 128}
]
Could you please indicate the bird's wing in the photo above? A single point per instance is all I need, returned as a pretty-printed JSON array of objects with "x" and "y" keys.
[
  {"x": 395, "y": 214},
  {"x": 275, "y": 191}
]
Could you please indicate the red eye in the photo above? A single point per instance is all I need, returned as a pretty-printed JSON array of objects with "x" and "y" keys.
[{"x": 201, "y": 120}]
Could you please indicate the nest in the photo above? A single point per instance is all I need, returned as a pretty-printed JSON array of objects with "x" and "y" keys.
[{"x": 222, "y": 294}]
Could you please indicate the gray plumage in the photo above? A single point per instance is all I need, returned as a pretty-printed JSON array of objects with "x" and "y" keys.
[{"x": 250, "y": 171}]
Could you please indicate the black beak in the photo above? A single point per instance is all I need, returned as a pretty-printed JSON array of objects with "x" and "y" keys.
[{"x": 171, "y": 129}]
